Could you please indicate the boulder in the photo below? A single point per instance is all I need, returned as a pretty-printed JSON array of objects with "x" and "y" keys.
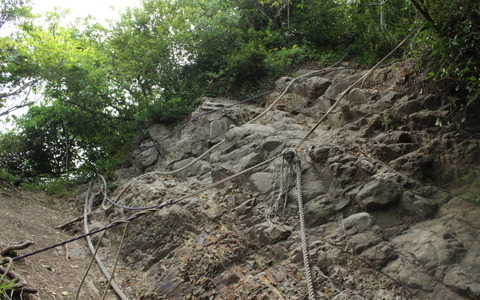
[
  {"x": 379, "y": 193},
  {"x": 313, "y": 87},
  {"x": 357, "y": 223},
  {"x": 268, "y": 233},
  {"x": 318, "y": 211},
  {"x": 378, "y": 255},
  {"x": 146, "y": 158},
  {"x": 218, "y": 128},
  {"x": 432, "y": 249},
  {"x": 263, "y": 181},
  {"x": 363, "y": 233},
  {"x": 359, "y": 96}
]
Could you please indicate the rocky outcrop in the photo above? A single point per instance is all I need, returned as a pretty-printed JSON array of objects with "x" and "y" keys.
[{"x": 381, "y": 223}]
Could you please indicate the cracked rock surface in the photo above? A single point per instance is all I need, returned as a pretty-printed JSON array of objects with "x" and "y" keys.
[{"x": 384, "y": 220}]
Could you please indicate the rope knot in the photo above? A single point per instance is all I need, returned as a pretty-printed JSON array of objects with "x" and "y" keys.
[{"x": 290, "y": 155}]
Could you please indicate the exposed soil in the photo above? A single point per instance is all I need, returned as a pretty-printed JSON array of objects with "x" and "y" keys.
[{"x": 56, "y": 273}]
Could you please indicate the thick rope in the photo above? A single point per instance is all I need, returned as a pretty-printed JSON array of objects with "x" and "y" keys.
[
  {"x": 116, "y": 260},
  {"x": 89, "y": 266},
  {"x": 87, "y": 210},
  {"x": 291, "y": 156}
]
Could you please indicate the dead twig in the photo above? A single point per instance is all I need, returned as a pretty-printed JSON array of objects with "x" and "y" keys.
[
  {"x": 67, "y": 224},
  {"x": 10, "y": 251}
]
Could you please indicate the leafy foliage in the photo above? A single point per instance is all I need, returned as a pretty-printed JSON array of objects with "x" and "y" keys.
[
  {"x": 451, "y": 38},
  {"x": 102, "y": 86},
  {"x": 6, "y": 286}
]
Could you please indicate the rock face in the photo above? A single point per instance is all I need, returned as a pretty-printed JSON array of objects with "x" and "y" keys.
[{"x": 381, "y": 223}]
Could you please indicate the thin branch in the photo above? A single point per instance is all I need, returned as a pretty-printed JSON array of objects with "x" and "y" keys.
[
  {"x": 423, "y": 11},
  {"x": 23, "y": 103},
  {"x": 20, "y": 89},
  {"x": 14, "y": 108},
  {"x": 97, "y": 113}
]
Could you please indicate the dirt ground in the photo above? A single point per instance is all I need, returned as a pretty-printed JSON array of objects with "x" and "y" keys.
[{"x": 56, "y": 273}]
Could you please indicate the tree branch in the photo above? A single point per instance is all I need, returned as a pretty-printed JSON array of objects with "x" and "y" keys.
[{"x": 423, "y": 11}]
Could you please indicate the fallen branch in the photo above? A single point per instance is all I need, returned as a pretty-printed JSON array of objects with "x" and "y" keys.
[
  {"x": 65, "y": 225},
  {"x": 10, "y": 251}
]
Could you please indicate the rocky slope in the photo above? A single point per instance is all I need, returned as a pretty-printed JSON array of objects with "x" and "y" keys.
[{"x": 377, "y": 179}]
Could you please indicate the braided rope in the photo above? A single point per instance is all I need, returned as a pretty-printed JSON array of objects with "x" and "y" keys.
[
  {"x": 94, "y": 250},
  {"x": 116, "y": 259},
  {"x": 77, "y": 295},
  {"x": 292, "y": 157}
]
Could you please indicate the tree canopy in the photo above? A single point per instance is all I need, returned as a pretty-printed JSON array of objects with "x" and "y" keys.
[{"x": 100, "y": 87}]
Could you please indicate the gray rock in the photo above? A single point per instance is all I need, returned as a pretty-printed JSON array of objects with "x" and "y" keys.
[
  {"x": 318, "y": 211},
  {"x": 461, "y": 281},
  {"x": 268, "y": 233},
  {"x": 428, "y": 118},
  {"x": 242, "y": 132},
  {"x": 316, "y": 87},
  {"x": 127, "y": 173},
  {"x": 181, "y": 150},
  {"x": 143, "y": 193},
  {"x": 408, "y": 106},
  {"x": 312, "y": 186},
  {"x": 199, "y": 168},
  {"x": 218, "y": 128},
  {"x": 391, "y": 96},
  {"x": 359, "y": 96},
  {"x": 320, "y": 154},
  {"x": 158, "y": 132},
  {"x": 249, "y": 161},
  {"x": 379, "y": 193},
  {"x": 337, "y": 87},
  {"x": 418, "y": 206},
  {"x": 364, "y": 240},
  {"x": 378, "y": 255},
  {"x": 394, "y": 137},
  {"x": 263, "y": 181},
  {"x": 410, "y": 275},
  {"x": 146, "y": 158},
  {"x": 357, "y": 223},
  {"x": 430, "y": 249},
  {"x": 158, "y": 234},
  {"x": 272, "y": 144}
]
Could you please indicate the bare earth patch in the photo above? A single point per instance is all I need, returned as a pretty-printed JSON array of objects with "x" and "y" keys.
[{"x": 56, "y": 273}]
